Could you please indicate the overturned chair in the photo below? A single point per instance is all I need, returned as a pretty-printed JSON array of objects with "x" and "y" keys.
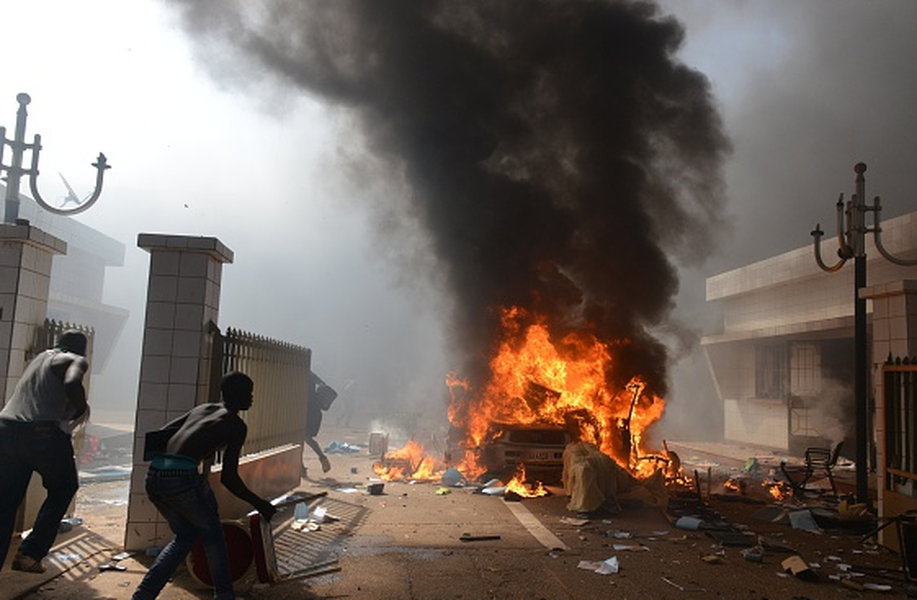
[{"x": 818, "y": 462}]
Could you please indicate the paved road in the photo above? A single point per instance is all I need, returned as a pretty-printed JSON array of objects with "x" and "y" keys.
[{"x": 406, "y": 544}]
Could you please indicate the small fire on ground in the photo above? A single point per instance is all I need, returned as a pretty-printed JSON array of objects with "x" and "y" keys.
[
  {"x": 517, "y": 485},
  {"x": 410, "y": 463}
]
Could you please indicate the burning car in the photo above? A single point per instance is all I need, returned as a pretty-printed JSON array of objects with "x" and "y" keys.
[
  {"x": 539, "y": 447},
  {"x": 541, "y": 394}
]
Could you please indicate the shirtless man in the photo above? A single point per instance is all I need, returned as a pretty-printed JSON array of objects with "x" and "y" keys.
[{"x": 178, "y": 487}]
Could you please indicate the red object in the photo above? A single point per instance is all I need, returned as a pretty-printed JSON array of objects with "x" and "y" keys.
[
  {"x": 239, "y": 544},
  {"x": 263, "y": 548}
]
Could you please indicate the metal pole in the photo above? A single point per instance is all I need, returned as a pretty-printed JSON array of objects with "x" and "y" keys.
[
  {"x": 861, "y": 360},
  {"x": 14, "y": 172},
  {"x": 861, "y": 389},
  {"x": 852, "y": 242}
]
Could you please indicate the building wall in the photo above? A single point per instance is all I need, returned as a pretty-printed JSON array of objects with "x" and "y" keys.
[
  {"x": 788, "y": 299},
  {"x": 756, "y": 421}
]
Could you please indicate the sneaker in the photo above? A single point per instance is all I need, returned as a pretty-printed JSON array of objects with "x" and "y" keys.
[{"x": 27, "y": 564}]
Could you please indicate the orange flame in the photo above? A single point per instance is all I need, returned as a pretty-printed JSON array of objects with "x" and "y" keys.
[
  {"x": 734, "y": 485},
  {"x": 777, "y": 489},
  {"x": 410, "y": 463},
  {"x": 518, "y": 486},
  {"x": 535, "y": 381}
]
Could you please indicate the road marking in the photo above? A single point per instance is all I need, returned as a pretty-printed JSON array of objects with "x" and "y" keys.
[{"x": 534, "y": 526}]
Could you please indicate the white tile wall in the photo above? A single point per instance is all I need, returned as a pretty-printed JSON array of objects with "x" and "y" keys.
[{"x": 759, "y": 422}]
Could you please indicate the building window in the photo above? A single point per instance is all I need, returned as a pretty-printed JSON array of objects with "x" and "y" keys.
[
  {"x": 771, "y": 371},
  {"x": 805, "y": 370}
]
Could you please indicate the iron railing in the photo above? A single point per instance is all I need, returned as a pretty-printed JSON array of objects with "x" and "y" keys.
[
  {"x": 900, "y": 377},
  {"x": 280, "y": 371},
  {"x": 47, "y": 335}
]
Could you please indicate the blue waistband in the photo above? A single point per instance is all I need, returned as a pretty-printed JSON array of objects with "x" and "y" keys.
[{"x": 173, "y": 462}]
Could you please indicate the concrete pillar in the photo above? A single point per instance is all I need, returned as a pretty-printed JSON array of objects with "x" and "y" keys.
[
  {"x": 894, "y": 319},
  {"x": 26, "y": 253},
  {"x": 894, "y": 332},
  {"x": 183, "y": 301}
]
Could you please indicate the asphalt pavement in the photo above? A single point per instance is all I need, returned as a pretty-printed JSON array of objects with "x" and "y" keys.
[{"x": 427, "y": 541}]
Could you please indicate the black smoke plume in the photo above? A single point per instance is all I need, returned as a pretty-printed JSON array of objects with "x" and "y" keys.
[{"x": 559, "y": 156}]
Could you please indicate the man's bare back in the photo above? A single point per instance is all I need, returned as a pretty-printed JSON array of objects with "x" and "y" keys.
[{"x": 205, "y": 430}]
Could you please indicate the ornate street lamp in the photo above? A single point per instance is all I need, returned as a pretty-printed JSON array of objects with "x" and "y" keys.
[
  {"x": 14, "y": 171},
  {"x": 851, "y": 237}
]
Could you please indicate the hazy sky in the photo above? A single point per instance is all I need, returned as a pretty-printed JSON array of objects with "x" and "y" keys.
[{"x": 805, "y": 90}]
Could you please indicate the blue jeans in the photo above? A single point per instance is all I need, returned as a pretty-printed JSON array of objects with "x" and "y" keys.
[
  {"x": 44, "y": 449},
  {"x": 186, "y": 501}
]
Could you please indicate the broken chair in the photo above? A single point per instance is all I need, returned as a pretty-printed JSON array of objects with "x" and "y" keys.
[{"x": 817, "y": 462}]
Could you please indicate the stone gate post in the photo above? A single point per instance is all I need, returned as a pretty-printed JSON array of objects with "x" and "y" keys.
[
  {"x": 26, "y": 253},
  {"x": 182, "y": 307}
]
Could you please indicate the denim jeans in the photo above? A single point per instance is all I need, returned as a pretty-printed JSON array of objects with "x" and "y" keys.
[
  {"x": 186, "y": 501},
  {"x": 44, "y": 449}
]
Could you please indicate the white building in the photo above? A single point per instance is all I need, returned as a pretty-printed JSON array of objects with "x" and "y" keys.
[{"x": 783, "y": 362}]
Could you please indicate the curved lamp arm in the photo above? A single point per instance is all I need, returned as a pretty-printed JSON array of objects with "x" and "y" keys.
[
  {"x": 101, "y": 166},
  {"x": 877, "y": 236},
  {"x": 816, "y": 239}
]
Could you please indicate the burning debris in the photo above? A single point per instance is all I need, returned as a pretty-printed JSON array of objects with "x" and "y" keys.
[
  {"x": 779, "y": 491},
  {"x": 559, "y": 392},
  {"x": 410, "y": 463},
  {"x": 518, "y": 486}
]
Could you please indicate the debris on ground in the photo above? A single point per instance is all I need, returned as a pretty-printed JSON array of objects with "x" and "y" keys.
[
  {"x": 608, "y": 566},
  {"x": 336, "y": 447},
  {"x": 467, "y": 537},
  {"x": 684, "y": 588},
  {"x": 799, "y": 568}
]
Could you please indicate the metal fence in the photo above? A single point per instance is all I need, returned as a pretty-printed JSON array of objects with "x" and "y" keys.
[
  {"x": 48, "y": 334},
  {"x": 280, "y": 371},
  {"x": 900, "y": 376}
]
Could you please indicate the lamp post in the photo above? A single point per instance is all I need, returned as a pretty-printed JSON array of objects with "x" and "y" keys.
[
  {"x": 14, "y": 170},
  {"x": 851, "y": 237}
]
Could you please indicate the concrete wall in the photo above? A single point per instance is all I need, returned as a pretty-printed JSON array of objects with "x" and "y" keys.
[
  {"x": 756, "y": 421},
  {"x": 26, "y": 255}
]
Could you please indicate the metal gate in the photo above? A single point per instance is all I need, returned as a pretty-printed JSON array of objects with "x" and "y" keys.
[{"x": 900, "y": 379}]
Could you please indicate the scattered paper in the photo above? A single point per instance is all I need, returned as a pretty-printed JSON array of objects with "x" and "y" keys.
[
  {"x": 877, "y": 587},
  {"x": 629, "y": 548},
  {"x": 606, "y": 567}
]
